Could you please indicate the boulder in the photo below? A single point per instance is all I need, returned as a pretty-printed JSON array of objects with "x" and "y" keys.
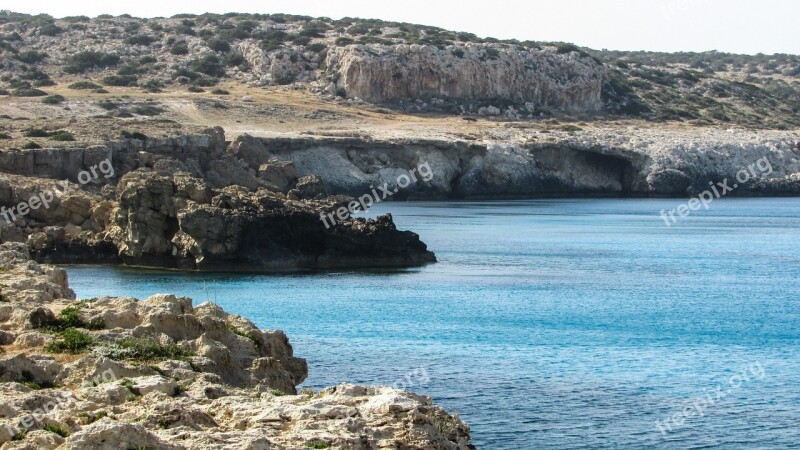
[{"x": 281, "y": 174}]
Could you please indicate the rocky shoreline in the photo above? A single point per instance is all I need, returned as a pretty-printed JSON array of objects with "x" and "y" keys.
[
  {"x": 164, "y": 373},
  {"x": 188, "y": 203},
  {"x": 199, "y": 202},
  {"x": 526, "y": 164}
]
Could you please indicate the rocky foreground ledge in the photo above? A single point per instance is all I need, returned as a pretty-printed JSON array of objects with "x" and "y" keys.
[{"x": 118, "y": 373}]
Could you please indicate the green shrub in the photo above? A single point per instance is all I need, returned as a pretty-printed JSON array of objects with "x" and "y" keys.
[
  {"x": 457, "y": 52},
  {"x": 50, "y": 29},
  {"x": 343, "y": 41},
  {"x": 220, "y": 92},
  {"x": 186, "y": 27},
  {"x": 233, "y": 60},
  {"x": 31, "y": 146},
  {"x": 57, "y": 429},
  {"x": 69, "y": 317},
  {"x": 218, "y": 45},
  {"x": 71, "y": 341},
  {"x": 33, "y": 73},
  {"x": 108, "y": 105},
  {"x": 140, "y": 39},
  {"x": 53, "y": 99},
  {"x": 273, "y": 39},
  {"x": 195, "y": 89},
  {"x": 81, "y": 85},
  {"x": 83, "y": 61},
  {"x": 251, "y": 335},
  {"x": 142, "y": 350},
  {"x": 185, "y": 73},
  {"x": 62, "y": 136},
  {"x": 179, "y": 48},
  {"x": 28, "y": 92},
  {"x": 208, "y": 64},
  {"x": 301, "y": 40},
  {"x": 314, "y": 29},
  {"x": 133, "y": 135},
  {"x": 35, "y": 132},
  {"x": 120, "y": 80},
  {"x": 566, "y": 48},
  {"x": 18, "y": 84},
  {"x": 284, "y": 78},
  {"x": 43, "y": 83},
  {"x": 31, "y": 56},
  {"x": 317, "y": 444},
  {"x": 76, "y": 19},
  {"x": 317, "y": 47},
  {"x": 152, "y": 85},
  {"x": 377, "y": 40},
  {"x": 128, "y": 70},
  {"x": 358, "y": 29},
  {"x": 144, "y": 60}
]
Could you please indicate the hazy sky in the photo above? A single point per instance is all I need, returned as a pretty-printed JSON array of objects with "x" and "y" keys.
[{"x": 742, "y": 26}]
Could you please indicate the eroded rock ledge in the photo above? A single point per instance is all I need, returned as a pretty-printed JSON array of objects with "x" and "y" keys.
[{"x": 164, "y": 373}]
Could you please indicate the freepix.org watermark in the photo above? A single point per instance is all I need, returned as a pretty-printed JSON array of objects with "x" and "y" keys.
[
  {"x": 44, "y": 198},
  {"x": 377, "y": 195},
  {"x": 699, "y": 406},
  {"x": 415, "y": 378},
  {"x": 24, "y": 423},
  {"x": 717, "y": 190}
]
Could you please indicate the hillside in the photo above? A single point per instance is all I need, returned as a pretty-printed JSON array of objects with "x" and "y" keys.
[{"x": 408, "y": 68}]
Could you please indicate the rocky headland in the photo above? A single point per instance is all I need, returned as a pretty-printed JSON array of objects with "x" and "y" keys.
[
  {"x": 165, "y": 373},
  {"x": 188, "y": 203}
]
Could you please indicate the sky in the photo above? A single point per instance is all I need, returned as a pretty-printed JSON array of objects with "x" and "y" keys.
[{"x": 738, "y": 26}]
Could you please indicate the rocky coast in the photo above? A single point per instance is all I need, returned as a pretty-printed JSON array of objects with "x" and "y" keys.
[{"x": 167, "y": 373}]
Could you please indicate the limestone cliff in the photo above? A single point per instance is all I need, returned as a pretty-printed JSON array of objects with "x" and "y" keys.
[
  {"x": 542, "y": 76},
  {"x": 633, "y": 163}
]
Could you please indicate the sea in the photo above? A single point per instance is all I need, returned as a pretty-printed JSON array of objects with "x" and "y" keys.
[{"x": 553, "y": 324}]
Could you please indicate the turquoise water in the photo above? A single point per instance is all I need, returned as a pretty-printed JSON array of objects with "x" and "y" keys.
[{"x": 554, "y": 324}]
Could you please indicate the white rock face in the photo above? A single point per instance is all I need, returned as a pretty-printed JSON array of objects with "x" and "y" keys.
[
  {"x": 543, "y": 77},
  {"x": 648, "y": 162}
]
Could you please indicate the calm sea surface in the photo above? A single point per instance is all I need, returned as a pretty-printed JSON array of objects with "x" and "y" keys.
[{"x": 557, "y": 324}]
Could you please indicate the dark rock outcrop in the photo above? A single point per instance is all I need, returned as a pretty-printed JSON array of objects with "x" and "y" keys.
[{"x": 180, "y": 222}]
